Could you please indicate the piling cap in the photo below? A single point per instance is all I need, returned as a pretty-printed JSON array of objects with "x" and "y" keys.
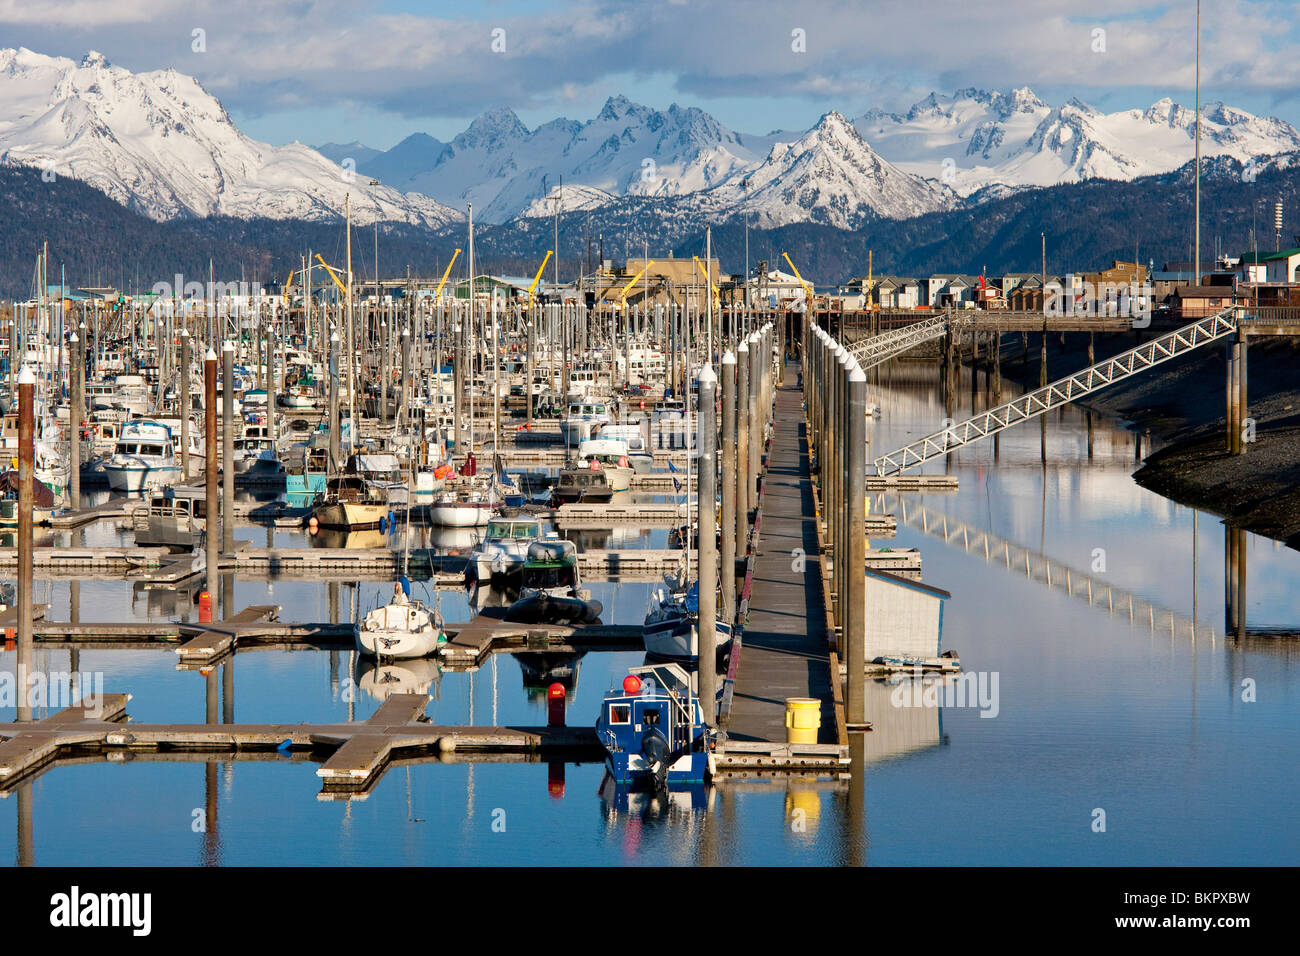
[
  {"x": 73, "y": 338},
  {"x": 707, "y": 375},
  {"x": 334, "y": 336},
  {"x": 405, "y": 333},
  {"x": 743, "y": 347},
  {"x": 185, "y": 333},
  {"x": 856, "y": 374},
  {"x": 229, "y": 346},
  {"x": 211, "y": 356},
  {"x": 728, "y": 357},
  {"x": 26, "y": 377}
]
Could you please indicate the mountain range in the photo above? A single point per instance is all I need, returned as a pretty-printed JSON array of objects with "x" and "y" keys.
[{"x": 159, "y": 144}]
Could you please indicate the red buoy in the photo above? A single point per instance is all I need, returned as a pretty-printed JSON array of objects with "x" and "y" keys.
[
  {"x": 205, "y": 607},
  {"x": 631, "y": 684},
  {"x": 555, "y": 705}
]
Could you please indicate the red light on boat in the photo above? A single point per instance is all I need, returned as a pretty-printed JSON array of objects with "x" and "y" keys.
[{"x": 631, "y": 684}]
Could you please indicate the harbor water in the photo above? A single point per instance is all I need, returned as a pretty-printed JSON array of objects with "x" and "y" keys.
[{"x": 1181, "y": 737}]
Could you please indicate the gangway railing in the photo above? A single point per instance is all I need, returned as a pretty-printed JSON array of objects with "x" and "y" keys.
[
  {"x": 881, "y": 348},
  {"x": 1061, "y": 392}
]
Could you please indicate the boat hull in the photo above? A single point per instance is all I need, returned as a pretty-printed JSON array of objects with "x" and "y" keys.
[
  {"x": 460, "y": 514},
  {"x": 634, "y": 771},
  {"x": 353, "y": 516},
  {"x": 141, "y": 477},
  {"x": 398, "y": 645}
]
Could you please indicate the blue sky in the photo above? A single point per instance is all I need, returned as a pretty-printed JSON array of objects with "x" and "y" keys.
[{"x": 329, "y": 70}]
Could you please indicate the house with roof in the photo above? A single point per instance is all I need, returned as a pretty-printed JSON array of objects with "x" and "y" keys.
[
  {"x": 948, "y": 290},
  {"x": 1284, "y": 265}
]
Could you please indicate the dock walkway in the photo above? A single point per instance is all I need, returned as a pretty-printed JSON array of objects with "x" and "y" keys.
[{"x": 784, "y": 650}]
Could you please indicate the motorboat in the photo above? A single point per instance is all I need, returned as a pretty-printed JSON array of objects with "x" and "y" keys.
[
  {"x": 504, "y": 549},
  {"x": 671, "y": 629},
  {"x": 653, "y": 730},
  {"x": 582, "y": 420},
  {"x": 144, "y": 457},
  {"x": 610, "y": 456},
  {"x": 581, "y": 485}
]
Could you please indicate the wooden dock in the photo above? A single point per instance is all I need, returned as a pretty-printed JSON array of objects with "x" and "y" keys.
[
  {"x": 354, "y": 755},
  {"x": 784, "y": 649}
]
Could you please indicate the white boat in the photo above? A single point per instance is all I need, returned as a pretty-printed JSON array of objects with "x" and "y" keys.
[
  {"x": 582, "y": 420},
  {"x": 503, "y": 550},
  {"x": 464, "y": 507},
  {"x": 400, "y": 630},
  {"x": 671, "y": 625},
  {"x": 611, "y": 456},
  {"x": 143, "y": 458},
  {"x": 254, "y": 451}
]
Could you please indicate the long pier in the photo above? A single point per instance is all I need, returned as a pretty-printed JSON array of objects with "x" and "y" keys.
[{"x": 784, "y": 649}]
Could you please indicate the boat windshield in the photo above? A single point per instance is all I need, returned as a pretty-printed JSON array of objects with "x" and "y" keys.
[{"x": 512, "y": 529}]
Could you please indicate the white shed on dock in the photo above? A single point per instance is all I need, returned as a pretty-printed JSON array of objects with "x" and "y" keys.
[{"x": 904, "y": 618}]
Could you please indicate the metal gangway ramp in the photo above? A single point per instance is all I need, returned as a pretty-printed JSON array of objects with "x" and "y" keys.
[
  {"x": 881, "y": 348},
  {"x": 1061, "y": 392}
]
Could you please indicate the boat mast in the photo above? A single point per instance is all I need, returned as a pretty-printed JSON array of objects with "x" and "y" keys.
[{"x": 352, "y": 392}]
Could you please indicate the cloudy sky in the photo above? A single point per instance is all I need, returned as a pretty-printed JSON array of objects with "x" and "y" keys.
[{"x": 329, "y": 70}]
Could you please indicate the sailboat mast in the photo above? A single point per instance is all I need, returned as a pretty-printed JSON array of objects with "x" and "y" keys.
[{"x": 352, "y": 401}]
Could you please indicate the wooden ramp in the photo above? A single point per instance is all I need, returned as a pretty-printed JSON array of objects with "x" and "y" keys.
[{"x": 784, "y": 648}]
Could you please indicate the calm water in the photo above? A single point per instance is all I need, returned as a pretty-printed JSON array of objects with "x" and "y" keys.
[{"x": 1094, "y": 711}]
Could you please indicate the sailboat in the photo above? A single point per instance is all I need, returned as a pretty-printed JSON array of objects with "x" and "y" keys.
[{"x": 403, "y": 628}]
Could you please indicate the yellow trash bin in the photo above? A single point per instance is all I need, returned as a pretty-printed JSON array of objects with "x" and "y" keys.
[{"x": 803, "y": 717}]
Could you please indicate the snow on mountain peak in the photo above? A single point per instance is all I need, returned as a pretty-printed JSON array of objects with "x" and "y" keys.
[{"x": 160, "y": 144}]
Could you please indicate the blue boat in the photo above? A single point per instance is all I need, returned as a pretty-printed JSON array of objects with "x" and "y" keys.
[{"x": 653, "y": 730}]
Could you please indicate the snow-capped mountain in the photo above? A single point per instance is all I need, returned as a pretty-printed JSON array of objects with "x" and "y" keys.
[
  {"x": 160, "y": 144},
  {"x": 627, "y": 149},
  {"x": 829, "y": 175},
  {"x": 976, "y": 139}
]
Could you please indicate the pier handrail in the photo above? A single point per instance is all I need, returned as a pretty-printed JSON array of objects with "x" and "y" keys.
[
  {"x": 1061, "y": 392},
  {"x": 881, "y": 348}
]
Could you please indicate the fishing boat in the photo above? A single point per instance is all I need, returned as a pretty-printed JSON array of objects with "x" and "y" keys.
[
  {"x": 401, "y": 629},
  {"x": 254, "y": 453},
  {"x": 143, "y": 458},
  {"x": 653, "y": 730},
  {"x": 307, "y": 477},
  {"x": 581, "y": 485},
  {"x": 671, "y": 629},
  {"x": 610, "y": 456},
  {"x": 582, "y": 420}
]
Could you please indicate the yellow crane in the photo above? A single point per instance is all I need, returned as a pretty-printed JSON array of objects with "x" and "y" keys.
[
  {"x": 717, "y": 296},
  {"x": 538, "y": 278},
  {"x": 622, "y": 296},
  {"x": 286, "y": 287},
  {"x": 807, "y": 289},
  {"x": 333, "y": 275},
  {"x": 443, "y": 281}
]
